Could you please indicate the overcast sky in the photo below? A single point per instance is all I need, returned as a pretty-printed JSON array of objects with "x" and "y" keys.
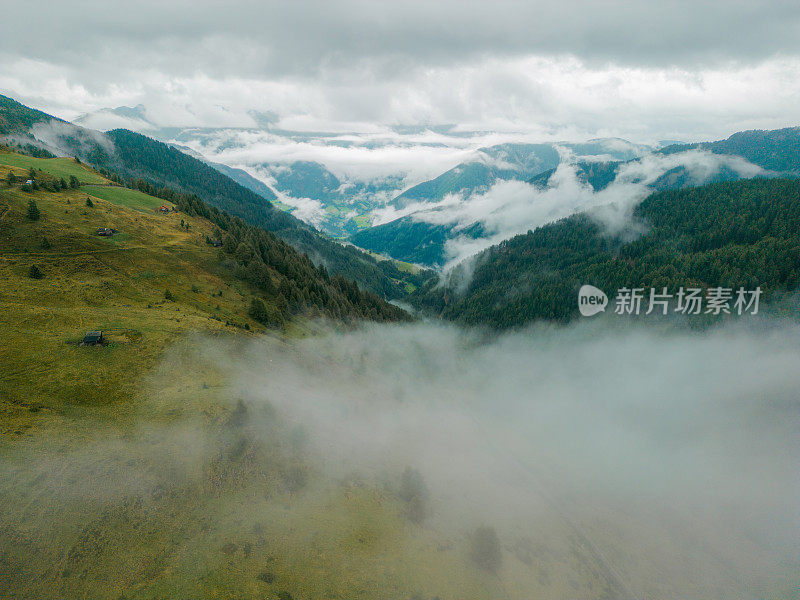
[{"x": 644, "y": 70}]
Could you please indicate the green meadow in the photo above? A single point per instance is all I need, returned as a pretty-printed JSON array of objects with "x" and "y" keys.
[
  {"x": 122, "y": 196},
  {"x": 58, "y": 167}
]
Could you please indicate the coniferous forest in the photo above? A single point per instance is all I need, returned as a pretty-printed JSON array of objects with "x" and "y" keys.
[{"x": 744, "y": 233}]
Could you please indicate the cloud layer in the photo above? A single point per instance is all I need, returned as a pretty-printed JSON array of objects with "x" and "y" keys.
[
  {"x": 509, "y": 208},
  {"x": 638, "y": 70}
]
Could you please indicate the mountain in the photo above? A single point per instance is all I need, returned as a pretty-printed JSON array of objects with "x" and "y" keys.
[
  {"x": 505, "y": 162},
  {"x": 775, "y": 150},
  {"x": 424, "y": 235},
  {"x": 598, "y": 175},
  {"x": 246, "y": 180},
  {"x": 282, "y": 279},
  {"x": 128, "y": 117},
  {"x": 415, "y": 241},
  {"x": 742, "y": 233},
  {"x": 495, "y": 163},
  {"x": 305, "y": 179},
  {"x": 133, "y": 156},
  {"x": 16, "y": 118},
  {"x": 338, "y": 207}
]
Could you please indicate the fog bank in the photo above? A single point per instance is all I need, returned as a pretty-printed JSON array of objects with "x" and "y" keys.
[{"x": 640, "y": 462}]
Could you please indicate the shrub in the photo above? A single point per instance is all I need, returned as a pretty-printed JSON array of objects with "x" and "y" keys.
[
  {"x": 485, "y": 548},
  {"x": 168, "y": 295},
  {"x": 266, "y": 577},
  {"x": 35, "y": 272},
  {"x": 89, "y": 202},
  {"x": 414, "y": 493},
  {"x": 33, "y": 211},
  {"x": 45, "y": 244}
]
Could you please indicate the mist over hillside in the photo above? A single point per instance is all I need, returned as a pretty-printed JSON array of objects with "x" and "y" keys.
[{"x": 599, "y": 456}]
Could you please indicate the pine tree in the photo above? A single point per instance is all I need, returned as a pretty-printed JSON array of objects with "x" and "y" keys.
[
  {"x": 258, "y": 311},
  {"x": 33, "y": 211}
]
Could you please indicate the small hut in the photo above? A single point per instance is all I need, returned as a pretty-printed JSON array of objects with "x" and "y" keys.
[{"x": 93, "y": 338}]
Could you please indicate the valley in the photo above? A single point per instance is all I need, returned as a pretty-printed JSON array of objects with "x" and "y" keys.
[{"x": 399, "y": 302}]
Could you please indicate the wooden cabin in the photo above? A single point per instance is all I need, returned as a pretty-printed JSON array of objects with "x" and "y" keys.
[{"x": 93, "y": 338}]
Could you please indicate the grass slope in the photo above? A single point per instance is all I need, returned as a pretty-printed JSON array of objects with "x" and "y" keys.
[
  {"x": 125, "y": 197},
  {"x": 116, "y": 284},
  {"x": 58, "y": 167},
  {"x": 126, "y": 471}
]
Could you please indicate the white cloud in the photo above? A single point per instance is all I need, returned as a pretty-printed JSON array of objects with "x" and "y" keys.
[
  {"x": 509, "y": 208},
  {"x": 556, "y": 97},
  {"x": 365, "y": 157}
]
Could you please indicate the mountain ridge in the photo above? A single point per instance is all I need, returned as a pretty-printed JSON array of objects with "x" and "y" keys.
[{"x": 135, "y": 156}]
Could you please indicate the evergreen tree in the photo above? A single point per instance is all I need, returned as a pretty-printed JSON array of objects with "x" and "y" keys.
[
  {"x": 258, "y": 311},
  {"x": 33, "y": 211}
]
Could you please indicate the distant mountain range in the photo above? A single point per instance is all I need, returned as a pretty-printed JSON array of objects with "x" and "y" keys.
[
  {"x": 134, "y": 156},
  {"x": 506, "y": 162},
  {"x": 467, "y": 207},
  {"x": 423, "y": 235}
]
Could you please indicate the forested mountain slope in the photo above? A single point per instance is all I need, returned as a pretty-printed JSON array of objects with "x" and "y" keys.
[
  {"x": 775, "y": 150},
  {"x": 743, "y": 233},
  {"x": 146, "y": 163},
  {"x": 140, "y": 157}
]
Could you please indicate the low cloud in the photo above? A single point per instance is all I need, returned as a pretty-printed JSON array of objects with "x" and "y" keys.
[
  {"x": 66, "y": 139},
  {"x": 664, "y": 459},
  {"x": 513, "y": 207}
]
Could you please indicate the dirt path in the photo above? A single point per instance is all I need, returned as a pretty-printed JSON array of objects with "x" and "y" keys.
[{"x": 63, "y": 254}]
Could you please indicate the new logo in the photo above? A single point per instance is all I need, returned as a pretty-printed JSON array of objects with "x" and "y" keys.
[{"x": 591, "y": 300}]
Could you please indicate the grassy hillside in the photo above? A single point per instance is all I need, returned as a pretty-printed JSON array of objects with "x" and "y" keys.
[
  {"x": 733, "y": 234},
  {"x": 116, "y": 285},
  {"x": 125, "y": 197},
  {"x": 132, "y": 470},
  {"x": 146, "y": 162},
  {"x": 57, "y": 167}
]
